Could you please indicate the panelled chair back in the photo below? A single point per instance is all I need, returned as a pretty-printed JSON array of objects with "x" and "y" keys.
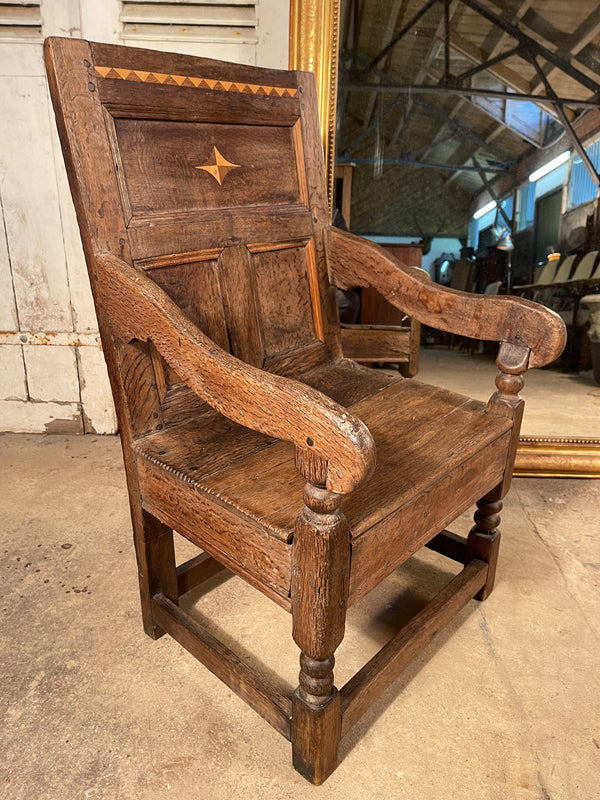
[{"x": 201, "y": 197}]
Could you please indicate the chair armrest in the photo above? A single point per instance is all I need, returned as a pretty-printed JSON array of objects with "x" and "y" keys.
[
  {"x": 272, "y": 404},
  {"x": 353, "y": 261}
]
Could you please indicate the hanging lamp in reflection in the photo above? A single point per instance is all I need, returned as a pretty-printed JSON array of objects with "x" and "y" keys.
[
  {"x": 503, "y": 239},
  {"x": 379, "y": 141}
]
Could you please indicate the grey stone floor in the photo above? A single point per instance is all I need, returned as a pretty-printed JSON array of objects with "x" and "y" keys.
[
  {"x": 556, "y": 403},
  {"x": 504, "y": 704}
]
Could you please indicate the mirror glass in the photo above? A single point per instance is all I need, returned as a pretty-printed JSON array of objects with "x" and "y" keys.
[{"x": 468, "y": 141}]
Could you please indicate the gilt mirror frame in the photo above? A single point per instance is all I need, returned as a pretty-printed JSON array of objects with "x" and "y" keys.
[{"x": 314, "y": 44}]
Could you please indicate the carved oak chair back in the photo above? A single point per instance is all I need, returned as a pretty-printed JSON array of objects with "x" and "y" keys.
[{"x": 210, "y": 180}]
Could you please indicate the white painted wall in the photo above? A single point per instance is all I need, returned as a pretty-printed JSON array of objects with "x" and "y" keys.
[{"x": 52, "y": 372}]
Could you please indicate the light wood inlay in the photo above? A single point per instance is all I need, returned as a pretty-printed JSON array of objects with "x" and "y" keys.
[{"x": 140, "y": 76}]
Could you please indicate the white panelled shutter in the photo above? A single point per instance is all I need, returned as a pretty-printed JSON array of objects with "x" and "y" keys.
[
  {"x": 231, "y": 21},
  {"x": 20, "y": 21}
]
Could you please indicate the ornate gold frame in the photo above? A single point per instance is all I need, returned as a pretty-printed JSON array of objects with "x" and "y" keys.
[{"x": 314, "y": 42}]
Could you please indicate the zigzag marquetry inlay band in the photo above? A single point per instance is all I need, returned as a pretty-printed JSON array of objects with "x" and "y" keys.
[{"x": 196, "y": 83}]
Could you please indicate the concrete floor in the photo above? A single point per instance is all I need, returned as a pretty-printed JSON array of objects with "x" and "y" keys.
[
  {"x": 556, "y": 403},
  {"x": 504, "y": 704}
]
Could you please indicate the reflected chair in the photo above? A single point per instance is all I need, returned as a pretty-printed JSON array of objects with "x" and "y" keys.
[
  {"x": 384, "y": 344},
  {"x": 548, "y": 275},
  {"x": 462, "y": 275},
  {"x": 585, "y": 268},
  {"x": 563, "y": 273},
  {"x": 201, "y": 198}
]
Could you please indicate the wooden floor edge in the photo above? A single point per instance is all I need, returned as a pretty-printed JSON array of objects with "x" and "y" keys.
[
  {"x": 376, "y": 676},
  {"x": 249, "y": 684}
]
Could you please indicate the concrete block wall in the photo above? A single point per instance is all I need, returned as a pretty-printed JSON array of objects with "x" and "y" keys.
[{"x": 52, "y": 372}]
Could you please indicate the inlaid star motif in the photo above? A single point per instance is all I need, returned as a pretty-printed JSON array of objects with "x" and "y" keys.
[{"x": 220, "y": 168}]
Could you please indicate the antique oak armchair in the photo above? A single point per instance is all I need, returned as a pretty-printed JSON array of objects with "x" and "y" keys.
[{"x": 200, "y": 193}]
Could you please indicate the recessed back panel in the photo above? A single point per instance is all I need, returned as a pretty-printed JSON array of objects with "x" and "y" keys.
[
  {"x": 171, "y": 167},
  {"x": 221, "y": 188}
]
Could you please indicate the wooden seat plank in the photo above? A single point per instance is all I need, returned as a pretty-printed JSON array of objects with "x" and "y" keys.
[{"x": 256, "y": 475}]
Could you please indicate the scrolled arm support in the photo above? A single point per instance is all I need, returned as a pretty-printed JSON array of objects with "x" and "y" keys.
[
  {"x": 353, "y": 261},
  {"x": 272, "y": 404}
]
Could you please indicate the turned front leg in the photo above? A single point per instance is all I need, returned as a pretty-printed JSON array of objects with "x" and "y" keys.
[
  {"x": 320, "y": 575},
  {"x": 484, "y": 539}
]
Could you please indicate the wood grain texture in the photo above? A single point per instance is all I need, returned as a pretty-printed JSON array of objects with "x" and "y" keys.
[
  {"x": 394, "y": 539},
  {"x": 484, "y": 538},
  {"x": 415, "y": 344},
  {"x": 194, "y": 287},
  {"x": 161, "y": 554},
  {"x": 315, "y": 738},
  {"x": 347, "y": 382},
  {"x": 238, "y": 543},
  {"x": 95, "y": 190},
  {"x": 212, "y": 229},
  {"x": 284, "y": 296},
  {"x": 205, "y": 223},
  {"x": 179, "y": 404},
  {"x": 156, "y": 560},
  {"x": 377, "y": 343},
  {"x": 485, "y": 547},
  {"x": 257, "y": 475},
  {"x": 237, "y": 281},
  {"x": 184, "y": 64},
  {"x": 449, "y": 544},
  {"x": 162, "y": 161},
  {"x": 194, "y": 572},
  {"x": 296, "y": 361},
  {"x": 142, "y": 392},
  {"x": 140, "y": 310},
  {"x": 353, "y": 261},
  {"x": 318, "y": 205},
  {"x": 320, "y": 574}
]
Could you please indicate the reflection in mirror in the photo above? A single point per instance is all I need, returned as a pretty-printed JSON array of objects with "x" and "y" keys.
[{"x": 468, "y": 139}]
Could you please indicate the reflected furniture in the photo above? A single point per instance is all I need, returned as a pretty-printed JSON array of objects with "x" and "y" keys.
[
  {"x": 200, "y": 194},
  {"x": 491, "y": 265},
  {"x": 562, "y": 287},
  {"x": 573, "y": 274},
  {"x": 385, "y": 335},
  {"x": 592, "y": 303},
  {"x": 462, "y": 275}
]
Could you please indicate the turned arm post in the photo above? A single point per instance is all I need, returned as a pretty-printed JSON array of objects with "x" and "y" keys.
[
  {"x": 320, "y": 580},
  {"x": 484, "y": 537}
]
